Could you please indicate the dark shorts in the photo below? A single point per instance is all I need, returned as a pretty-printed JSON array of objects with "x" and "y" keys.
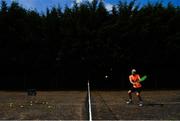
[{"x": 136, "y": 89}]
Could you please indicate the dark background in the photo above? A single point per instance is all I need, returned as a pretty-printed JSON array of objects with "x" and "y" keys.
[{"x": 62, "y": 49}]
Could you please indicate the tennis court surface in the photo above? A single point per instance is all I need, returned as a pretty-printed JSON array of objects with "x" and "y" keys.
[{"x": 73, "y": 105}]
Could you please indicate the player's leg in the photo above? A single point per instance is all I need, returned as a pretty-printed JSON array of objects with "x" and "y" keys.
[
  {"x": 138, "y": 94},
  {"x": 130, "y": 96}
]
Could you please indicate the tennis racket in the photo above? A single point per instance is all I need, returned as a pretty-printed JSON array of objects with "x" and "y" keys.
[{"x": 143, "y": 78}]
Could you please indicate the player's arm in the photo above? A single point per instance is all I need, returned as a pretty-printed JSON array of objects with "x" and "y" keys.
[
  {"x": 139, "y": 79},
  {"x": 131, "y": 80}
]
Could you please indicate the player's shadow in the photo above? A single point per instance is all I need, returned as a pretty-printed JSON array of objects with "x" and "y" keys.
[
  {"x": 154, "y": 104},
  {"x": 161, "y": 104}
]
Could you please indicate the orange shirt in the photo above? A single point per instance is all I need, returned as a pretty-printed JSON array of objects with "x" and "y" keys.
[{"x": 135, "y": 79}]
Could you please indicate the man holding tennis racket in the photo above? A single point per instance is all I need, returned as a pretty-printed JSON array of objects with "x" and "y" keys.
[{"x": 135, "y": 79}]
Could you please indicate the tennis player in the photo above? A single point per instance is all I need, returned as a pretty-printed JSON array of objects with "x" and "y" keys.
[{"x": 134, "y": 79}]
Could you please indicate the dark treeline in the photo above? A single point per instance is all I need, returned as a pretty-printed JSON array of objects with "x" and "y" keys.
[{"x": 62, "y": 49}]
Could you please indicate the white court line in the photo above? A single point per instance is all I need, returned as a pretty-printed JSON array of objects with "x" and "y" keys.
[{"x": 89, "y": 101}]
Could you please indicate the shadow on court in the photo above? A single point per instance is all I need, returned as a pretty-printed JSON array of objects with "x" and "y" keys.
[
  {"x": 106, "y": 105},
  {"x": 158, "y": 105}
]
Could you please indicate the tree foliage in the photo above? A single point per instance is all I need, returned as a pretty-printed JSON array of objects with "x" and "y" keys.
[{"x": 84, "y": 42}]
